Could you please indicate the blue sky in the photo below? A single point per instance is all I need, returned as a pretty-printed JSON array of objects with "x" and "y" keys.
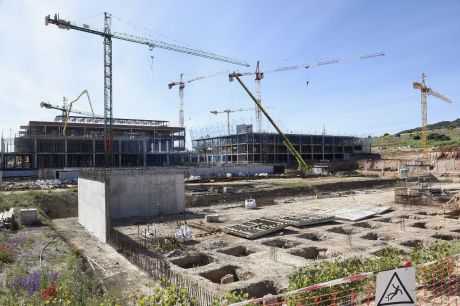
[{"x": 359, "y": 98}]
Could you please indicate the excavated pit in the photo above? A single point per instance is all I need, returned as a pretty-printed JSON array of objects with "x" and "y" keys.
[
  {"x": 216, "y": 275},
  {"x": 260, "y": 289},
  {"x": 192, "y": 261},
  {"x": 412, "y": 243},
  {"x": 366, "y": 225},
  {"x": 370, "y": 236},
  {"x": 343, "y": 230},
  {"x": 281, "y": 243},
  {"x": 313, "y": 236},
  {"x": 238, "y": 251},
  {"x": 444, "y": 237},
  {"x": 309, "y": 253},
  {"x": 419, "y": 225},
  {"x": 386, "y": 220}
]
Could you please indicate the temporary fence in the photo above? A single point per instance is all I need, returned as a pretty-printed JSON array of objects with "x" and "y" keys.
[{"x": 437, "y": 283}]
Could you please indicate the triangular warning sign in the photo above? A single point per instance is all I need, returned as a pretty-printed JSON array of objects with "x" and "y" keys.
[{"x": 395, "y": 293}]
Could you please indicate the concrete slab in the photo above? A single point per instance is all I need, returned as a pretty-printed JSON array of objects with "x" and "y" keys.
[{"x": 256, "y": 228}]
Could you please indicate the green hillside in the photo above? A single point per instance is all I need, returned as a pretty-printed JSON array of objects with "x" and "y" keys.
[
  {"x": 449, "y": 136},
  {"x": 436, "y": 126}
]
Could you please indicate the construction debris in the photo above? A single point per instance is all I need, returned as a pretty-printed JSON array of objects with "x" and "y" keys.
[
  {"x": 250, "y": 204},
  {"x": 7, "y": 219},
  {"x": 183, "y": 234}
]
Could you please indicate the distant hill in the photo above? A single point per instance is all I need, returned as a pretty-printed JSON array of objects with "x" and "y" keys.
[
  {"x": 436, "y": 126},
  {"x": 444, "y": 133}
]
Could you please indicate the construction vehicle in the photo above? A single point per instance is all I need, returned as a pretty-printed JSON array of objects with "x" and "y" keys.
[
  {"x": 181, "y": 85},
  {"x": 67, "y": 109},
  {"x": 426, "y": 91},
  {"x": 304, "y": 167},
  {"x": 108, "y": 35},
  {"x": 259, "y": 75}
]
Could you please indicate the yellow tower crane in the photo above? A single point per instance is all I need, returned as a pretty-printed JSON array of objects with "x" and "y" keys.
[{"x": 426, "y": 91}]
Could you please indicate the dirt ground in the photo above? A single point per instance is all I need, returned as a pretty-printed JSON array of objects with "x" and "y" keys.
[
  {"x": 117, "y": 273},
  {"x": 263, "y": 265},
  {"x": 265, "y": 190}
]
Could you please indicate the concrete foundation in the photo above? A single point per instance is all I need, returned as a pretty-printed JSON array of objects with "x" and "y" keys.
[{"x": 116, "y": 194}]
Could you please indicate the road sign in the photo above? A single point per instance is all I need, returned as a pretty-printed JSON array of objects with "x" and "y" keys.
[{"x": 396, "y": 287}]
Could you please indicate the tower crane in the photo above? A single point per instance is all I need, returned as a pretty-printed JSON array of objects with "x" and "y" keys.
[
  {"x": 181, "y": 84},
  {"x": 108, "y": 35},
  {"x": 228, "y": 111},
  {"x": 426, "y": 91},
  {"x": 259, "y": 75}
]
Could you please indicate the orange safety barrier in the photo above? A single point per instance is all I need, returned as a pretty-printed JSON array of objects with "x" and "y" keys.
[{"x": 437, "y": 283}]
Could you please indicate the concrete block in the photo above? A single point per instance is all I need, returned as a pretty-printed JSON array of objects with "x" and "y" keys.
[
  {"x": 227, "y": 279},
  {"x": 212, "y": 218},
  {"x": 29, "y": 216}
]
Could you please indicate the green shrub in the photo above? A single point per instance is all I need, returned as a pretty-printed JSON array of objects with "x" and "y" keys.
[
  {"x": 6, "y": 254},
  {"x": 386, "y": 259},
  {"x": 438, "y": 137}
]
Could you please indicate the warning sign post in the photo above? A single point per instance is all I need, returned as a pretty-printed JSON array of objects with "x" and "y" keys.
[{"x": 396, "y": 287}]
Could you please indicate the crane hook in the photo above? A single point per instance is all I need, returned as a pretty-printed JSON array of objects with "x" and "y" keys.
[{"x": 152, "y": 57}]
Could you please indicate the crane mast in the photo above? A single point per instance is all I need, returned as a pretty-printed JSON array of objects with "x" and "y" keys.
[
  {"x": 181, "y": 101},
  {"x": 259, "y": 77},
  {"x": 424, "y": 91},
  {"x": 107, "y": 34},
  {"x": 181, "y": 84}
]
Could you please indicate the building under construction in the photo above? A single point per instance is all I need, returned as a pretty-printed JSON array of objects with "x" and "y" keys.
[
  {"x": 246, "y": 146},
  {"x": 136, "y": 143}
]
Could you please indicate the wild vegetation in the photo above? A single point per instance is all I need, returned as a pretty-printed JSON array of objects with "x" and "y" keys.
[
  {"x": 386, "y": 259},
  {"x": 436, "y": 138}
]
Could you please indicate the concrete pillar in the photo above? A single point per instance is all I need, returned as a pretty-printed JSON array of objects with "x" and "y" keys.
[
  {"x": 65, "y": 153},
  {"x": 35, "y": 153},
  {"x": 119, "y": 153},
  {"x": 94, "y": 152},
  {"x": 144, "y": 147}
]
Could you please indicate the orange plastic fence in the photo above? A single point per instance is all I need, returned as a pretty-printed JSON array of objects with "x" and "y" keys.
[{"x": 437, "y": 283}]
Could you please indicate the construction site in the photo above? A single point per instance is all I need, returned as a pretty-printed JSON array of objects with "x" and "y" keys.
[{"x": 153, "y": 212}]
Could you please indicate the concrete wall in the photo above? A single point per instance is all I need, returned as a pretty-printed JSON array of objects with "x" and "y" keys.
[
  {"x": 147, "y": 195},
  {"x": 92, "y": 207}
]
